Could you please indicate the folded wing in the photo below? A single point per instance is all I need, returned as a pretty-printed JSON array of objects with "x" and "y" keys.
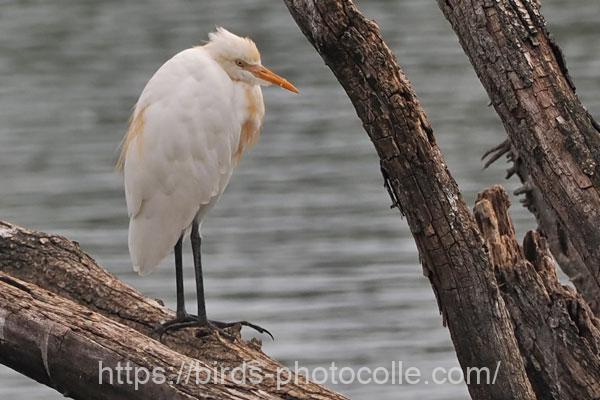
[{"x": 177, "y": 155}]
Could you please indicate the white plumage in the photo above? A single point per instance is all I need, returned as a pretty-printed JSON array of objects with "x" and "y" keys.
[{"x": 190, "y": 126}]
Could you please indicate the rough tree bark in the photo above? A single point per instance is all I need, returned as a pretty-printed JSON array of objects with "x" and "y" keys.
[
  {"x": 559, "y": 244},
  {"x": 61, "y": 344},
  {"x": 558, "y": 335},
  {"x": 450, "y": 246},
  {"x": 554, "y": 139},
  {"x": 59, "y": 266}
]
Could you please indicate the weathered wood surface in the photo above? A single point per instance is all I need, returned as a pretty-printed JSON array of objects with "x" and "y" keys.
[
  {"x": 553, "y": 137},
  {"x": 61, "y": 344},
  {"x": 450, "y": 246},
  {"x": 558, "y": 335},
  {"x": 59, "y": 266},
  {"x": 559, "y": 244}
]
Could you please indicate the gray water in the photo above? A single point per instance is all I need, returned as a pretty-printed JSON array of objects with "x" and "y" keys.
[{"x": 304, "y": 241}]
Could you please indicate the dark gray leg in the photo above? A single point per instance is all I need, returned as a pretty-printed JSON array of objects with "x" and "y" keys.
[
  {"x": 181, "y": 314},
  {"x": 196, "y": 251},
  {"x": 183, "y": 319}
]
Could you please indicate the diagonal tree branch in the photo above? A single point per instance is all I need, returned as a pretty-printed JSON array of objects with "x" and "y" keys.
[
  {"x": 554, "y": 138},
  {"x": 59, "y": 266},
  {"x": 450, "y": 246}
]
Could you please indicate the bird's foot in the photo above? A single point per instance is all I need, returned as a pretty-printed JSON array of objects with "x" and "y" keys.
[
  {"x": 223, "y": 325},
  {"x": 207, "y": 327},
  {"x": 179, "y": 322}
]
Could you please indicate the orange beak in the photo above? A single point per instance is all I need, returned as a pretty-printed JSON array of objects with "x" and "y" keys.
[{"x": 267, "y": 75}]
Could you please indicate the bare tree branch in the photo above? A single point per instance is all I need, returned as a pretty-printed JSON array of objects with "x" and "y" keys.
[
  {"x": 450, "y": 246},
  {"x": 553, "y": 136}
]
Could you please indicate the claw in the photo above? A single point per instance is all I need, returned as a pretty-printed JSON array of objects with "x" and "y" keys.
[
  {"x": 191, "y": 321},
  {"x": 257, "y": 328},
  {"x": 179, "y": 322}
]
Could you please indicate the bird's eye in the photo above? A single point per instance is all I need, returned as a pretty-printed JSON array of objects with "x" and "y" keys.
[{"x": 239, "y": 63}]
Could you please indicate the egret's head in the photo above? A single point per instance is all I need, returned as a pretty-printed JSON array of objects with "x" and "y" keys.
[{"x": 240, "y": 58}]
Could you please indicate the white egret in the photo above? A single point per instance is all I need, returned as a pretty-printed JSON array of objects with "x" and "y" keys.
[{"x": 194, "y": 120}]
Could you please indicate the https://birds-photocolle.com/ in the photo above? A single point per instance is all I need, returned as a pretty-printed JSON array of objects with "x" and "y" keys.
[{"x": 191, "y": 125}]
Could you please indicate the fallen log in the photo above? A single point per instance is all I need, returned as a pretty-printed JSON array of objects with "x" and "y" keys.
[
  {"x": 80, "y": 353},
  {"x": 58, "y": 265}
]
